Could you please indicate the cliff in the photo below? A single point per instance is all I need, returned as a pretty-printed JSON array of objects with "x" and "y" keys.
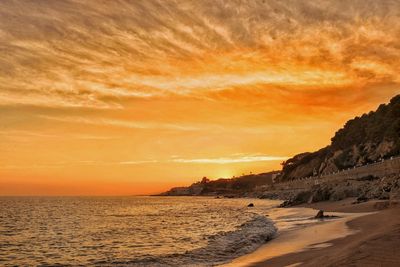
[
  {"x": 371, "y": 138},
  {"x": 362, "y": 140},
  {"x": 229, "y": 187}
]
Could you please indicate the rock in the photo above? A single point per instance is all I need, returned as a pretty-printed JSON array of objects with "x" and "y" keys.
[
  {"x": 361, "y": 198},
  {"x": 338, "y": 193},
  {"x": 341, "y": 192},
  {"x": 368, "y": 178},
  {"x": 395, "y": 194},
  {"x": 320, "y": 194},
  {"x": 384, "y": 196},
  {"x": 381, "y": 205},
  {"x": 286, "y": 203},
  {"x": 320, "y": 215},
  {"x": 250, "y": 205},
  {"x": 302, "y": 197},
  {"x": 393, "y": 203}
]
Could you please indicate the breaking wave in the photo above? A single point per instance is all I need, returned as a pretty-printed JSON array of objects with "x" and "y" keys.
[
  {"x": 131, "y": 231},
  {"x": 221, "y": 248}
]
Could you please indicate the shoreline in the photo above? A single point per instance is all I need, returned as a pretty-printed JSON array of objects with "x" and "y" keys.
[{"x": 332, "y": 242}]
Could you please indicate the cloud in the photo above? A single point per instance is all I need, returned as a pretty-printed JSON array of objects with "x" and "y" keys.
[
  {"x": 13, "y": 134},
  {"x": 76, "y": 54},
  {"x": 136, "y": 162},
  {"x": 230, "y": 160},
  {"x": 123, "y": 123},
  {"x": 223, "y": 160},
  {"x": 77, "y": 163},
  {"x": 296, "y": 78}
]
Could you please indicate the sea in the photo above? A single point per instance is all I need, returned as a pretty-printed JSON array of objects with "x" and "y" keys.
[{"x": 134, "y": 231}]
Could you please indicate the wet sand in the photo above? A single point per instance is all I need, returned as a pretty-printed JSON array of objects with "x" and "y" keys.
[{"x": 367, "y": 234}]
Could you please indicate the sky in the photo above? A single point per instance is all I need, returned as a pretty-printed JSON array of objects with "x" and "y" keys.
[{"x": 134, "y": 97}]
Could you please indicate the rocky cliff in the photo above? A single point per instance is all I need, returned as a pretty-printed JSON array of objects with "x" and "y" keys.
[
  {"x": 369, "y": 138},
  {"x": 238, "y": 186}
]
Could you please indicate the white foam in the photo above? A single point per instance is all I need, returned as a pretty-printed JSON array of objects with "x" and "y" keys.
[{"x": 222, "y": 247}]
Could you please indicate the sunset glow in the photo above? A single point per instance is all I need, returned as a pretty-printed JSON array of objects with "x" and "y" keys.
[{"x": 134, "y": 97}]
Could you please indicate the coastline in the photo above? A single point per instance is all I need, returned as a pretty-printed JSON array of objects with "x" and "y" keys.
[{"x": 357, "y": 238}]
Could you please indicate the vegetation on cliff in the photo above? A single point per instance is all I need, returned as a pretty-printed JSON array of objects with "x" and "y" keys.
[
  {"x": 234, "y": 186},
  {"x": 371, "y": 137}
]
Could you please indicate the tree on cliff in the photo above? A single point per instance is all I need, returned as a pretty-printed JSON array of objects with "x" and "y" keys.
[
  {"x": 364, "y": 139},
  {"x": 204, "y": 180}
]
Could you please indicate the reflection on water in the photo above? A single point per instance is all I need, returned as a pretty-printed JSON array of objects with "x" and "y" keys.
[{"x": 106, "y": 230}]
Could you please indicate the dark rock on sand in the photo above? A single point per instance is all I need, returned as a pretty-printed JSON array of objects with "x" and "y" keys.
[{"x": 319, "y": 215}]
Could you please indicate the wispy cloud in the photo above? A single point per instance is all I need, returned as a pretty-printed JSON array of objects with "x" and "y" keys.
[
  {"x": 237, "y": 158},
  {"x": 92, "y": 58},
  {"x": 67, "y": 164},
  {"x": 230, "y": 160},
  {"x": 212, "y": 82},
  {"x": 30, "y": 134},
  {"x": 136, "y": 162},
  {"x": 123, "y": 123}
]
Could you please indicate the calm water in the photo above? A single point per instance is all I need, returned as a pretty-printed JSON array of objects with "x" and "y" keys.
[{"x": 132, "y": 231}]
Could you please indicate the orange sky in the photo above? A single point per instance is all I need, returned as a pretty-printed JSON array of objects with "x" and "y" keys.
[{"x": 139, "y": 96}]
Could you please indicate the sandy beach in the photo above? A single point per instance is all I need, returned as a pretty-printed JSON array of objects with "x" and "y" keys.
[{"x": 366, "y": 234}]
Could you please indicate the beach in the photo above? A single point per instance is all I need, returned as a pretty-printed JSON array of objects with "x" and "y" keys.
[{"x": 365, "y": 234}]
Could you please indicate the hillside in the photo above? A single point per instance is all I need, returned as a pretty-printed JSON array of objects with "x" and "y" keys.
[
  {"x": 228, "y": 187},
  {"x": 362, "y": 140}
]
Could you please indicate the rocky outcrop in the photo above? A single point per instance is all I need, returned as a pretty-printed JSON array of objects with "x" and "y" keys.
[
  {"x": 362, "y": 189},
  {"x": 240, "y": 186},
  {"x": 320, "y": 214},
  {"x": 366, "y": 139},
  {"x": 360, "y": 162}
]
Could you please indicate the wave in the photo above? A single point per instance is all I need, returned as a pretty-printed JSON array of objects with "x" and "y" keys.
[{"x": 221, "y": 248}]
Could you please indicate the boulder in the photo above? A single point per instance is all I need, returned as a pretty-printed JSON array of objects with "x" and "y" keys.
[
  {"x": 381, "y": 205},
  {"x": 320, "y": 193},
  {"x": 320, "y": 215},
  {"x": 368, "y": 178},
  {"x": 250, "y": 205},
  {"x": 361, "y": 198}
]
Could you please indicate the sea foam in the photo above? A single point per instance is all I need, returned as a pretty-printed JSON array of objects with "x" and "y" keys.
[
  {"x": 221, "y": 248},
  {"x": 131, "y": 231}
]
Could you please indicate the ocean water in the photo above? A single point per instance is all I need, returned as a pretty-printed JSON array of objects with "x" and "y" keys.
[{"x": 131, "y": 231}]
